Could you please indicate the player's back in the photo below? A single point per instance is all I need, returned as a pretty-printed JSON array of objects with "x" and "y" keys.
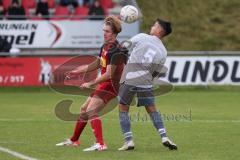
[
  {"x": 147, "y": 49},
  {"x": 147, "y": 54}
]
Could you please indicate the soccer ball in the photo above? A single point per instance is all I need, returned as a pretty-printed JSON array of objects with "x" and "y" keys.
[{"x": 129, "y": 14}]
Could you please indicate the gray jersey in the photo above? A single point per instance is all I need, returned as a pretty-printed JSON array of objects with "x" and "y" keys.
[{"x": 147, "y": 55}]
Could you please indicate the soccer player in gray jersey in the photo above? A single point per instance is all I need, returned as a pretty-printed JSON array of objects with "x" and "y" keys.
[{"x": 147, "y": 57}]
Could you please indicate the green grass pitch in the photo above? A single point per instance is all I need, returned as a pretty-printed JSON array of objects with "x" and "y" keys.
[{"x": 204, "y": 123}]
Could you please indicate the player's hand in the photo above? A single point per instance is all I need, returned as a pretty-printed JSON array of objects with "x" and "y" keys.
[
  {"x": 70, "y": 74},
  {"x": 76, "y": 71},
  {"x": 86, "y": 85}
]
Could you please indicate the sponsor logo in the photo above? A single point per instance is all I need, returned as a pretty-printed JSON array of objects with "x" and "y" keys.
[
  {"x": 200, "y": 70},
  {"x": 20, "y": 39}
]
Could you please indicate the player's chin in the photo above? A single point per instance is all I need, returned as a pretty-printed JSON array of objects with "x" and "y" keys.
[
  {"x": 106, "y": 40},
  {"x": 151, "y": 32}
]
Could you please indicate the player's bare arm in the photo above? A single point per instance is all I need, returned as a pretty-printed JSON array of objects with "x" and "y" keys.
[
  {"x": 85, "y": 68},
  {"x": 109, "y": 72}
]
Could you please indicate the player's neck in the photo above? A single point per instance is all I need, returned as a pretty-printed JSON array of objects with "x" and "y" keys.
[
  {"x": 158, "y": 36},
  {"x": 111, "y": 40}
]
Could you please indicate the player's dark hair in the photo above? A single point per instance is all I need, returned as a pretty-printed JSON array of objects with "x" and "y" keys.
[
  {"x": 165, "y": 25},
  {"x": 115, "y": 24}
]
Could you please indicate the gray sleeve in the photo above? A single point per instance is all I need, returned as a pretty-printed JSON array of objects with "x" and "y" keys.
[
  {"x": 158, "y": 68},
  {"x": 159, "y": 71}
]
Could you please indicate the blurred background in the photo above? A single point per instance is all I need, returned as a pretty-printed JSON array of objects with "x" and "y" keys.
[{"x": 203, "y": 48}]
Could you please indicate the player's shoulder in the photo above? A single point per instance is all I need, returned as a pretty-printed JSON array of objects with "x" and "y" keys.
[
  {"x": 115, "y": 48},
  {"x": 142, "y": 35},
  {"x": 139, "y": 37},
  {"x": 116, "y": 53},
  {"x": 110, "y": 47},
  {"x": 162, "y": 46}
]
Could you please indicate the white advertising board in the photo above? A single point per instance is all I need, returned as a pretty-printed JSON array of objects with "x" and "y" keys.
[
  {"x": 203, "y": 70},
  {"x": 59, "y": 34}
]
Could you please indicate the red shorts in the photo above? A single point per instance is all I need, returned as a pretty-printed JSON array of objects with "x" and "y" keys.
[{"x": 106, "y": 91}]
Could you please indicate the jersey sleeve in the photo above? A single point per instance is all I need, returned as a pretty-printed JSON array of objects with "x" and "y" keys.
[
  {"x": 159, "y": 71},
  {"x": 158, "y": 67},
  {"x": 117, "y": 56}
]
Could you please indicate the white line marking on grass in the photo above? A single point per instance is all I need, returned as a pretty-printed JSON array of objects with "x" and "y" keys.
[
  {"x": 25, "y": 120},
  {"x": 12, "y": 142},
  {"x": 16, "y": 154},
  {"x": 216, "y": 121}
]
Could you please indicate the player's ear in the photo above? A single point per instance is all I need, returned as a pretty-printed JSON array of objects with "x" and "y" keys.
[{"x": 160, "y": 31}]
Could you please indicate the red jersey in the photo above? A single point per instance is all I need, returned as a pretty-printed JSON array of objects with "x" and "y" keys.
[
  {"x": 113, "y": 53},
  {"x": 110, "y": 54}
]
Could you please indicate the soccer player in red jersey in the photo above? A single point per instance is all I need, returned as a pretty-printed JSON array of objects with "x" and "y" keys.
[{"x": 106, "y": 85}]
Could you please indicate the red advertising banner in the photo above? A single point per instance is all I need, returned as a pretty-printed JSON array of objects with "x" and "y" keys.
[{"x": 28, "y": 71}]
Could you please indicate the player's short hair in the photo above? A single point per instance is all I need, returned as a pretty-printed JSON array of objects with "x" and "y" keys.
[
  {"x": 165, "y": 25},
  {"x": 115, "y": 24}
]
